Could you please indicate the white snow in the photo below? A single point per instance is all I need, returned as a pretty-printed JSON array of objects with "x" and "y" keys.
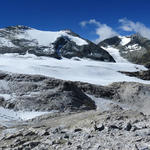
[
  {"x": 85, "y": 70},
  {"x": 104, "y": 104},
  {"x": 6, "y": 42},
  {"x": 45, "y": 38},
  {"x": 5, "y": 96},
  {"x": 11, "y": 115},
  {"x": 115, "y": 54},
  {"x": 124, "y": 40},
  {"x": 134, "y": 47}
]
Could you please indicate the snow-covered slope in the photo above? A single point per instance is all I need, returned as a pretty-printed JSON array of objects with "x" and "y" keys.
[
  {"x": 45, "y": 38},
  {"x": 124, "y": 40},
  {"x": 114, "y": 52},
  {"x": 65, "y": 43},
  {"x": 85, "y": 70}
]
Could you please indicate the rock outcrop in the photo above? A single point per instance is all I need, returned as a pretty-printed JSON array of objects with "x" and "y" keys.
[
  {"x": 144, "y": 75},
  {"x": 39, "y": 93}
]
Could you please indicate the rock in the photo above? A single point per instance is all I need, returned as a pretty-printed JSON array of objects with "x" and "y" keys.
[
  {"x": 99, "y": 128},
  {"x": 12, "y": 136},
  {"x": 79, "y": 147},
  {"x": 1, "y": 100},
  {"x": 29, "y": 133},
  {"x": 69, "y": 143},
  {"x": 112, "y": 127},
  {"x": 31, "y": 144},
  {"x": 128, "y": 127},
  {"x": 43, "y": 133},
  {"x": 77, "y": 130},
  {"x": 111, "y": 41},
  {"x": 56, "y": 94},
  {"x": 66, "y": 136},
  {"x": 144, "y": 75}
]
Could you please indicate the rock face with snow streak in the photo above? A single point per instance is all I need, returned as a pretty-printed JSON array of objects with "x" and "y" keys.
[
  {"x": 65, "y": 43},
  {"x": 135, "y": 48}
]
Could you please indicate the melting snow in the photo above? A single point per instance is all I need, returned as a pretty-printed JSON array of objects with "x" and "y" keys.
[{"x": 7, "y": 114}]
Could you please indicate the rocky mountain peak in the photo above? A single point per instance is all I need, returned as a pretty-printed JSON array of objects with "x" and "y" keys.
[
  {"x": 18, "y": 27},
  {"x": 65, "y": 43},
  {"x": 111, "y": 41},
  {"x": 135, "y": 48}
]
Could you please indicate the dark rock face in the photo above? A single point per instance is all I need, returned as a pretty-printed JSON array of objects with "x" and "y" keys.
[
  {"x": 62, "y": 47},
  {"x": 91, "y": 51},
  {"x": 144, "y": 75},
  {"x": 43, "y": 94},
  {"x": 111, "y": 41}
]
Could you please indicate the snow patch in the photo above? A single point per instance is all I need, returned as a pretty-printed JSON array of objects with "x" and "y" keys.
[
  {"x": 11, "y": 115},
  {"x": 134, "y": 47},
  {"x": 107, "y": 104},
  {"x": 5, "y": 96},
  {"x": 115, "y": 54},
  {"x": 124, "y": 40},
  {"x": 6, "y": 43}
]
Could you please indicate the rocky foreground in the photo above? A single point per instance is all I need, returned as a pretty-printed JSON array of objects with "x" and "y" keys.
[
  {"x": 114, "y": 117},
  {"x": 114, "y": 129}
]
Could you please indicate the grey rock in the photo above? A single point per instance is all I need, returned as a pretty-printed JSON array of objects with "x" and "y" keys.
[
  {"x": 45, "y": 94},
  {"x": 144, "y": 75},
  {"x": 128, "y": 127},
  {"x": 77, "y": 130}
]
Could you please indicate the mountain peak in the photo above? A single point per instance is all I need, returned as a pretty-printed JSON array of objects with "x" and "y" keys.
[
  {"x": 19, "y": 27},
  {"x": 65, "y": 43}
]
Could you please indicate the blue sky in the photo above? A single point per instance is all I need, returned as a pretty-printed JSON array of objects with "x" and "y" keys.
[{"x": 68, "y": 14}]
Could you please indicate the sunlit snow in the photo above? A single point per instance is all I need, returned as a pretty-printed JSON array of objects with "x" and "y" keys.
[
  {"x": 124, "y": 40},
  {"x": 85, "y": 70},
  {"x": 45, "y": 38}
]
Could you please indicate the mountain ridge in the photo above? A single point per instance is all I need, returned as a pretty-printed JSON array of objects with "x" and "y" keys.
[
  {"x": 135, "y": 48},
  {"x": 64, "y": 43}
]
